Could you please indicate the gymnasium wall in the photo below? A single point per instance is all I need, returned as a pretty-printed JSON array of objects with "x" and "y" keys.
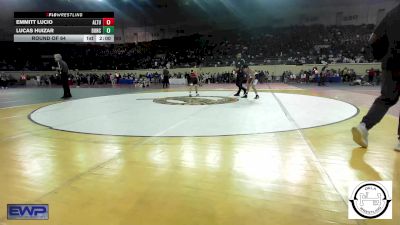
[
  {"x": 273, "y": 69},
  {"x": 277, "y": 69}
]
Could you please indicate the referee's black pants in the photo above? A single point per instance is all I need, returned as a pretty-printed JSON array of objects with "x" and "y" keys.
[
  {"x": 239, "y": 84},
  {"x": 64, "y": 81}
]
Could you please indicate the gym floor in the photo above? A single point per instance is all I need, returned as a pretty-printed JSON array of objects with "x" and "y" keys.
[{"x": 293, "y": 176}]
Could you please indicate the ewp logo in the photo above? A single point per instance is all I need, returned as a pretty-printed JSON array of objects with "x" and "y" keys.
[{"x": 27, "y": 212}]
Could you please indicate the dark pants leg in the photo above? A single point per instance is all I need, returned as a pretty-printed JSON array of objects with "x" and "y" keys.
[
  {"x": 239, "y": 84},
  {"x": 389, "y": 97},
  {"x": 67, "y": 92}
]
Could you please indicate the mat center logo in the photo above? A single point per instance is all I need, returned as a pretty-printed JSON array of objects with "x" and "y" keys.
[
  {"x": 203, "y": 100},
  {"x": 370, "y": 200}
]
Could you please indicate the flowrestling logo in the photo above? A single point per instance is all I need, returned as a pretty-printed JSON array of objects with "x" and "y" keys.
[
  {"x": 27, "y": 212},
  {"x": 370, "y": 200}
]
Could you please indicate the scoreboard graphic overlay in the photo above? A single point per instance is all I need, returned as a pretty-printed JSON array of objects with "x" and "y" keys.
[{"x": 64, "y": 27}]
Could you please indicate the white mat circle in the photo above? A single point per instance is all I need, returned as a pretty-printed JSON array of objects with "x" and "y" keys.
[{"x": 138, "y": 115}]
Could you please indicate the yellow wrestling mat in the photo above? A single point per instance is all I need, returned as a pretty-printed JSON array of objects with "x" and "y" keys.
[{"x": 297, "y": 177}]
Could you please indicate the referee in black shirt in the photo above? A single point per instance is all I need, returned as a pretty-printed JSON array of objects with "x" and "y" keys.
[
  {"x": 62, "y": 68},
  {"x": 240, "y": 74},
  {"x": 385, "y": 42}
]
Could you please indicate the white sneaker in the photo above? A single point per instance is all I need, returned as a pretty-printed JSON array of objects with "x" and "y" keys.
[
  {"x": 360, "y": 135},
  {"x": 397, "y": 148}
]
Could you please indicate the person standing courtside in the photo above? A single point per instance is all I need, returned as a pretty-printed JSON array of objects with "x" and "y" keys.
[
  {"x": 165, "y": 79},
  {"x": 63, "y": 71},
  {"x": 240, "y": 77},
  {"x": 323, "y": 75},
  {"x": 385, "y": 42}
]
